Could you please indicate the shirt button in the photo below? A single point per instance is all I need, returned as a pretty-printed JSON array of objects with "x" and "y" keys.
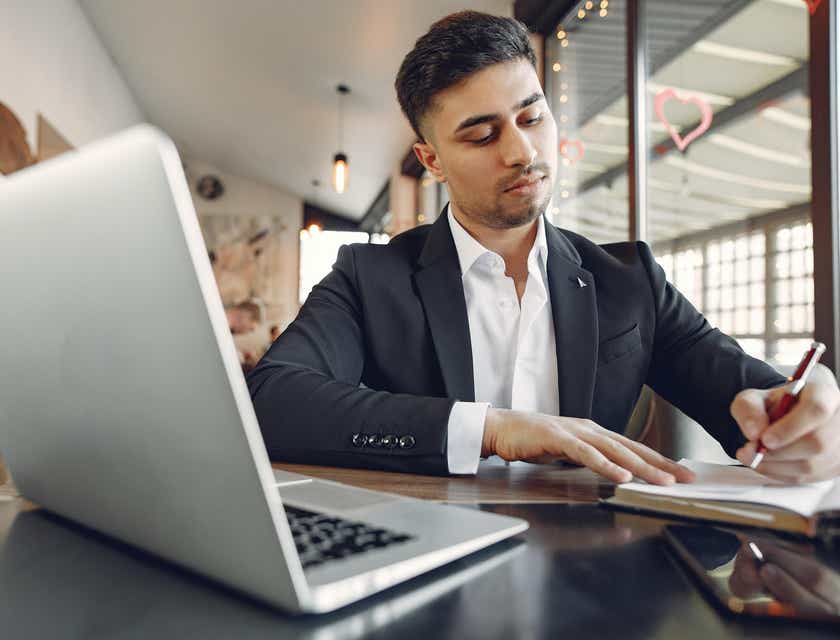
[
  {"x": 359, "y": 440},
  {"x": 407, "y": 442},
  {"x": 389, "y": 441},
  {"x": 504, "y": 303}
]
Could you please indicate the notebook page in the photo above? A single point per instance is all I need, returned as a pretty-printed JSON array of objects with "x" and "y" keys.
[{"x": 740, "y": 484}]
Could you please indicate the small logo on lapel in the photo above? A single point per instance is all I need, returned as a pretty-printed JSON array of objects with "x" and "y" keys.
[{"x": 581, "y": 283}]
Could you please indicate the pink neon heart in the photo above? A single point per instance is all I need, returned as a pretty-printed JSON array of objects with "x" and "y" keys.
[
  {"x": 565, "y": 143},
  {"x": 705, "y": 120},
  {"x": 813, "y": 5}
]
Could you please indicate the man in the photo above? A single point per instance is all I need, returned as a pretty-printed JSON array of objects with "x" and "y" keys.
[{"x": 493, "y": 332}]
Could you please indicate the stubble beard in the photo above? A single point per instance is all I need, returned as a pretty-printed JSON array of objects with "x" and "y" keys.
[{"x": 500, "y": 217}]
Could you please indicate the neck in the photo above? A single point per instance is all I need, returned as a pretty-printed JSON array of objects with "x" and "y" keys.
[{"x": 513, "y": 244}]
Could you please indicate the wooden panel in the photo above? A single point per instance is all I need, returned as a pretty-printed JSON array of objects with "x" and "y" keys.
[{"x": 14, "y": 149}]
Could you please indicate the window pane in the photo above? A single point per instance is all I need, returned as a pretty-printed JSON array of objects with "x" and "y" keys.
[
  {"x": 318, "y": 251},
  {"x": 788, "y": 353},
  {"x": 756, "y": 348},
  {"x": 586, "y": 85},
  {"x": 730, "y": 166}
]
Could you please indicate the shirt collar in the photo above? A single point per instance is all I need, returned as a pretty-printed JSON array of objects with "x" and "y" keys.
[{"x": 469, "y": 249}]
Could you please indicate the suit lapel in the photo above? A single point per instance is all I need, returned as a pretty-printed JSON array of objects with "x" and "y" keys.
[
  {"x": 438, "y": 281},
  {"x": 575, "y": 313}
]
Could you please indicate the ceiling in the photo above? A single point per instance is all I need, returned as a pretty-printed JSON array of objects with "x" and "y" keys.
[{"x": 250, "y": 87}]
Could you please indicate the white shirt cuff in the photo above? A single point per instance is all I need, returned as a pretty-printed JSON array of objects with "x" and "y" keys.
[{"x": 465, "y": 431}]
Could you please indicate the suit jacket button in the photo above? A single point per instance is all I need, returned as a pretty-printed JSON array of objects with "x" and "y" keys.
[
  {"x": 406, "y": 442},
  {"x": 374, "y": 440},
  {"x": 359, "y": 439},
  {"x": 389, "y": 441}
]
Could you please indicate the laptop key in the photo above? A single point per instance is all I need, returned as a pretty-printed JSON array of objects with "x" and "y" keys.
[{"x": 321, "y": 537}]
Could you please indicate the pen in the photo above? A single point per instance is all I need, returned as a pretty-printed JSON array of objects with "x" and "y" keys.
[
  {"x": 756, "y": 551},
  {"x": 800, "y": 377}
]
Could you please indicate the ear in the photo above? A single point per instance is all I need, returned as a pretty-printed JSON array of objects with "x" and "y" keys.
[{"x": 429, "y": 158}]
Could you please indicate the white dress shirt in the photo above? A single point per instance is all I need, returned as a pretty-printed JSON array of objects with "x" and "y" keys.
[{"x": 513, "y": 348}]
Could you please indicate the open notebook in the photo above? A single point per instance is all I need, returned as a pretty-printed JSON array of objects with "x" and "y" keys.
[{"x": 739, "y": 495}]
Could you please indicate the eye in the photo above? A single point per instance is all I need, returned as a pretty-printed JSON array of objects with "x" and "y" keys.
[
  {"x": 535, "y": 120},
  {"x": 482, "y": 141}
]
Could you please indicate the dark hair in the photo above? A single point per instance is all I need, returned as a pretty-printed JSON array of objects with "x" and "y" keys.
[{"x": 454, "y": 48}]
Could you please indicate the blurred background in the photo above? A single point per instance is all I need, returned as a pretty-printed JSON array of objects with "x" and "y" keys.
[{"x": 707, "y": 129}]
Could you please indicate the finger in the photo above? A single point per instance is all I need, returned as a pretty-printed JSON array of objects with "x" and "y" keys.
[
  {"x": 628, "y": 459},
  {"x": 678, "y": 471},
  {"x": 785, "y": 589},
  {"x": 824, "y": 441},
  {"x": 749, "y": 408},
  {"x": 817, "y": 404},
  {"x": 587, "y": 455},
  {"x": 746, "y": 453},
  {"x": 745, "y": 581},
  {"x": 807, "y": 571}
]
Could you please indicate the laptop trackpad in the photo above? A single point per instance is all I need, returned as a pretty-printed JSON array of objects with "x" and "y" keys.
[{"x": 332, "y": 497}]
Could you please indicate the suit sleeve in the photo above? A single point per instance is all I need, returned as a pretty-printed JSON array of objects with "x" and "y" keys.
[
  {"x": 696, "y": 367},
  {"x": 310, "y": 405}
]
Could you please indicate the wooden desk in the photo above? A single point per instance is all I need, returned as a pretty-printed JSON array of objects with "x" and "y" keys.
[
  {"x": 580, "y": 571},
  {"x": 495, "y": 483}
]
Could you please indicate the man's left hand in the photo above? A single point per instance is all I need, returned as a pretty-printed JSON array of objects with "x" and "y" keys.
[{"x": 803, "y": 445}]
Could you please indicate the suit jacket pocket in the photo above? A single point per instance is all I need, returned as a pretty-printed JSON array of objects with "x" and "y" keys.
[{"x": 620, "y": 345}]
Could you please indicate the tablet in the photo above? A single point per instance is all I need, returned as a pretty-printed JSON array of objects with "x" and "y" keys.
[{"x": 760, "y": 574}]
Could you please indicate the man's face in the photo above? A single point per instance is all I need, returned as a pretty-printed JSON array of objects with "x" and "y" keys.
[{"x": 489, "y": 134}]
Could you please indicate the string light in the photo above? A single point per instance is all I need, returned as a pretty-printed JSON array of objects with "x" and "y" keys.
[
  {"x": 564, "y": 43},
  {"x": 564, "y": 98},
  {"x": 589, "y": 4},
  {"x": 557, "y": 67},
  {"x": 564, "y": 194},
  {"x": 581, "y": 14},
  {"x": 603, "y": 13},
  {"x": 605, "y": 4},
  {"x": 564, "y": 86},
  {"x": 561, "y": 34}
]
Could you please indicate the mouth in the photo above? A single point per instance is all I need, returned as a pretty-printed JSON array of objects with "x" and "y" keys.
[{"x": 526, "y": 186}]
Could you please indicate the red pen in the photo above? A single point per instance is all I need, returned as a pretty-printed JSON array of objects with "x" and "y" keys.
[{"x": 800, "y": 377}]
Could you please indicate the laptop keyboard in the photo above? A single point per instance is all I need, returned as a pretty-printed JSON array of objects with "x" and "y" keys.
[{"x": 320, "y": 537}]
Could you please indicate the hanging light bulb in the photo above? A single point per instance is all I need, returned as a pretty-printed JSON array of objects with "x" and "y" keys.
[
  {"x": 339, "y": 173},
  {"x": 341, "y": 168}
]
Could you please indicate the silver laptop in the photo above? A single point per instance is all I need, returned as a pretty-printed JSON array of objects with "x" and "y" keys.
[{"x": 123, "y": 406}]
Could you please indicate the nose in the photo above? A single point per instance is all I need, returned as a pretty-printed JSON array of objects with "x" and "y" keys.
[{"x": 517, "y": 149}]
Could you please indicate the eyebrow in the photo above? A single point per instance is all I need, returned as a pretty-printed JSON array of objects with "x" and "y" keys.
[{"x": 474, "y": 120}]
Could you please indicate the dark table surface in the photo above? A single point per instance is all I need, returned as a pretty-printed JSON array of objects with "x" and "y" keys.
[{"x": 580, "y": 571}]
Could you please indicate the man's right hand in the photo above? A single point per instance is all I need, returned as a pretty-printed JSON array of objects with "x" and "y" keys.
[{"x": 536, "y": 437}]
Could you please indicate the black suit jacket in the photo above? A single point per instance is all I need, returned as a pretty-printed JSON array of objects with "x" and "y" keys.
[{"x": 382, "y": 348}]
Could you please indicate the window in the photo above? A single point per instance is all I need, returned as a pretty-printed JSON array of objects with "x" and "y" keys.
[
  {"x": 729, "y": 175},
  {"x": 318, "y": 252},
  {"x": 758, "y": 287},
  {"x": 729, "y": 159},
  {"x": 586, "y": 86}
]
